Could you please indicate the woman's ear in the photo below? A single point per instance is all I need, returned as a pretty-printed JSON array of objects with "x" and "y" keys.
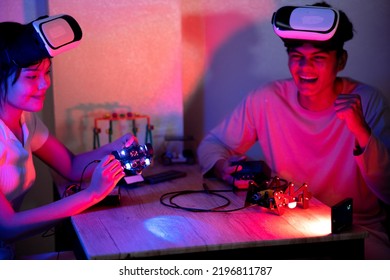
[{"x": 342, "y": 60}]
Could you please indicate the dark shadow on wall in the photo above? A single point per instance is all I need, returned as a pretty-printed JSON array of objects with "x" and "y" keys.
[{"x": 231, "y": 74}]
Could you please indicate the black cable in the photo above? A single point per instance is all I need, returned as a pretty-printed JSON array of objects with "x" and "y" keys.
[
  {"x": 73, "y": 188},
  {"x": 172, "y": 195},
  {"x": 85, "y": 168},
  {"x": 49, "y": 232},
  {"x": 77, "y": 187}
]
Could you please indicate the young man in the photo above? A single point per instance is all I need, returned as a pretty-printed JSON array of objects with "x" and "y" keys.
[{"x": 330, "y": 132}]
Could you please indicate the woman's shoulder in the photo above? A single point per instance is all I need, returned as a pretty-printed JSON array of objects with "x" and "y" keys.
[
  {"x": 32, "y": 120},
  {"x": 29, "y": 117}
]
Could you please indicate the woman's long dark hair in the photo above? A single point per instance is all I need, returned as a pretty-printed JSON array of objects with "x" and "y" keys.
[{"x": 9, "y": 31}]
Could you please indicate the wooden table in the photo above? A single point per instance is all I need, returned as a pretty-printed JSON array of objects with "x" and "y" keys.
[{"x": 141, "y": 227}]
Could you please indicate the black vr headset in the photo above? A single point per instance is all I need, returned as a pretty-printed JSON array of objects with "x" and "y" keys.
[
  {"x": 310, "y": 23},
  {"x": 44, "y": 37}
]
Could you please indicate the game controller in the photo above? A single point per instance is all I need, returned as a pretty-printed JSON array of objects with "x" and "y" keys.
[
  {"x": 257, "y": 171},
  {"x": 135, "y": 158}
]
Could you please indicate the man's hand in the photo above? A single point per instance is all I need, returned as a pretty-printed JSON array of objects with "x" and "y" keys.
[
  {"x": 349, "y": 109},
  {"x": 224, "y": 169}
]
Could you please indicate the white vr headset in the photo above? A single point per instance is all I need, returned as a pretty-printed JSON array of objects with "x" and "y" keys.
[
  {"x": 45, "y": 37},
  {"x": 305, "y": 23}
]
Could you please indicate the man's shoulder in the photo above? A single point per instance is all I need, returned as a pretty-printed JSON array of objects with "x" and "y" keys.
[
  {"x": 354, "y": 86},
  {"x": 281, "y": 84},
  {"x": 278, "y": 87},
  {"x": 369, "y": 94}
]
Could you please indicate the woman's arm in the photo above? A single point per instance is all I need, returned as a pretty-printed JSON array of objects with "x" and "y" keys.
[
  {"x": 15, "y": 225},
  {"x": 71, "y": 166}
]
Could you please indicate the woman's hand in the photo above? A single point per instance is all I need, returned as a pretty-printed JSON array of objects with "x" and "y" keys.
[
  {"x": 125, "y": 140},
  {"x": 105, "y": 177}
]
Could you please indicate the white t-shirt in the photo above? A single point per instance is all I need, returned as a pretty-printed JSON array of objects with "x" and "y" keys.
[
  {"x": 316, "y": 148},
  {"x": 17, "y": 171}
]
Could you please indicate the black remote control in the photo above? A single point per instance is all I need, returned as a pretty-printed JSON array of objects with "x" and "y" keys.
[{"x": 164, "y": 176}]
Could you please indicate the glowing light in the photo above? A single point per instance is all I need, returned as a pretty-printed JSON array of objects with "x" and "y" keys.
[
  {"x": 322, "y": 226},
  {"x": 292, "y": 205},
  {"x": 171, "y": 228}
]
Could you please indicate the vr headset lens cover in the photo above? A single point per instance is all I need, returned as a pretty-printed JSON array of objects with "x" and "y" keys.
[
  {"x": 44, "y": 38},
  {"x": 305, "y": 23},
  {"x": 56, "y": 34}
]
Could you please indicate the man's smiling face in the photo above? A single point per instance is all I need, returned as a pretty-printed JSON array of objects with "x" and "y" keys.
[{"x": 314, "y": 70}]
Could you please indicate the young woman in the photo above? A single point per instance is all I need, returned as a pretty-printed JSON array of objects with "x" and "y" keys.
[{"x": 23, "y": 134}]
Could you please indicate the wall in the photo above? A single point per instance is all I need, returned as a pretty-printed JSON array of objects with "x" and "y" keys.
[
  {"x": 129, "y": 60},
  {"x": 185, "y": 63},
  {"x": 185, "y": 57}
]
